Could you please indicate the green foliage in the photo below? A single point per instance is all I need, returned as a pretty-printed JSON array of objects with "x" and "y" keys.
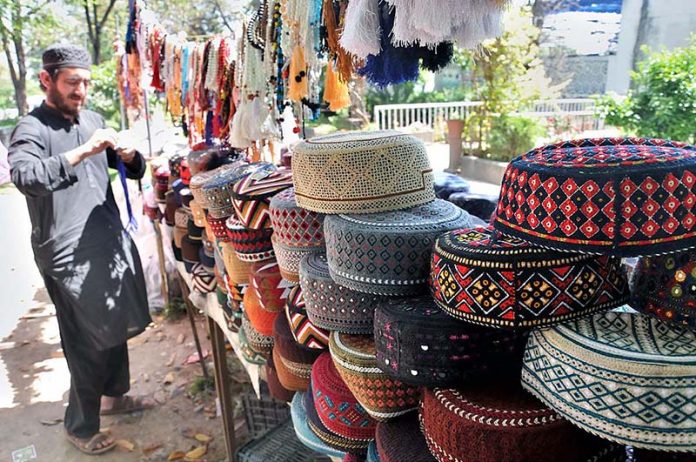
[
  {"x": 508, "y": 75},
  {"x": 662, "y": 101},
  {"x": 511, "y": 136},
  {"x": 103, "y": 94}
]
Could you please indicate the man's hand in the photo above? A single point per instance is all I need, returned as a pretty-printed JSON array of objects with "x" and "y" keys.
[
  {"x": 126, "y": 154},
  {"x": 101, "y": 139}
]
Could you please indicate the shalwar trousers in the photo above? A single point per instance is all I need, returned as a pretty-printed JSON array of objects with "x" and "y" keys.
[{"x": 93, "y": 373}]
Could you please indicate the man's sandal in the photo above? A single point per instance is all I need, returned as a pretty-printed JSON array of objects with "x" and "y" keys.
[
  {"x": 127, "y": 404},
  {"x": 92, "y": 446}
]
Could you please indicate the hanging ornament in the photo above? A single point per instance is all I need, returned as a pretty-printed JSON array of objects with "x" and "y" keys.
[{"x": 298, "y": 87}]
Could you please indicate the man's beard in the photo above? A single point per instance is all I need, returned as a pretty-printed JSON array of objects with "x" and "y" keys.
[{"x": 62, "y": 103}]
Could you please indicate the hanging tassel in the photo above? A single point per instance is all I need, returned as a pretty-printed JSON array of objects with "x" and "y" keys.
[
  {"x": 298, "y": 87},
  {"x": 335, "y": 92},
  {"x": 334, "y": 28},
  {"x": 437, "y": 59},
  {"x": 361, "y": 31},
  {"x": 403, "y": 33},
  {"x": 393, "y": 64},
  {"x": 237, "y": 139}
]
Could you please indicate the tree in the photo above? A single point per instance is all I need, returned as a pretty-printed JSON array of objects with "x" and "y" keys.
[
  {"x": 662, "y": 101},
  {"x": 96, "y": 14},
  {"x": 507, "y": 75},
  {"x": 17, "y": 20}
]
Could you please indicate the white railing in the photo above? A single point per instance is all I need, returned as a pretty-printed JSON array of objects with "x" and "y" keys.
[{"x": 578, "y": 113}]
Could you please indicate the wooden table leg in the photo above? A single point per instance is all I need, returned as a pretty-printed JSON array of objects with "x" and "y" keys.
[
  {"x": 222, "y": 385},
  {"x": 190, "y": 310},
  {"x": 163, "y": 272}
]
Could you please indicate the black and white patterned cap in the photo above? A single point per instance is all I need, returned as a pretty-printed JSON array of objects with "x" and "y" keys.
[{"x": 62, "y": 56}]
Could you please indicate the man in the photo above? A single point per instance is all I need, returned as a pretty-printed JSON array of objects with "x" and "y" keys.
[{"x": 59, "y": 157}]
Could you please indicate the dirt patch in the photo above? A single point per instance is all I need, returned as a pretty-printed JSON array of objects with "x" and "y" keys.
[{"x": 38, "y": 377}]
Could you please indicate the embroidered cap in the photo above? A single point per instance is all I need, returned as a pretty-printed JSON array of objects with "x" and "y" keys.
[
  {"x": 362, "y": 172},
  {"x": 615, "y": 196},
  {"x": 388, "y": 253},
  {"x": 628, "y": 378},
  {"x": 485, "y": 278}
]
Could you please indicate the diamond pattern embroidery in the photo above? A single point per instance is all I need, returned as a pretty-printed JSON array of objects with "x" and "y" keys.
[{"x": 487, "y": 293}]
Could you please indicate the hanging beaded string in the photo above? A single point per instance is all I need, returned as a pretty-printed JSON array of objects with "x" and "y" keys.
[
  {"x": 211, "y": 75},
  {"x": 277, "y": 28}
]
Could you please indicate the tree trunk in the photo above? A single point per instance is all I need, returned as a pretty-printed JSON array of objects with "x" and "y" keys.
[{"x": 13, "y": 40}]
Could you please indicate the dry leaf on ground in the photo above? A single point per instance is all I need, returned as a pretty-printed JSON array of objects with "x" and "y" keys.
[
  {"x": 203, "y": 438},
  {"x": 125, "y": 444},
  {"x": 176, "y": 455},
  {"x": 197, "y": 453}
]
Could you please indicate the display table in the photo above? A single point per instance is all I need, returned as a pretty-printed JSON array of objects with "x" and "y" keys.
[{"x": 209, "y": 305}]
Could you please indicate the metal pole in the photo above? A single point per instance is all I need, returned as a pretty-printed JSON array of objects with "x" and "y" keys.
[{"x": 147, "y": 123}]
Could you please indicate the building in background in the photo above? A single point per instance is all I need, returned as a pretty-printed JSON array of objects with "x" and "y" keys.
[
  {"x": 655, "y": 23},
  {"x": 594, "y": 45}
]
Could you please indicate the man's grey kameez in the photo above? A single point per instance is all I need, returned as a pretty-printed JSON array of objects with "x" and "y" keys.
[{"x": 90, "y": 265}]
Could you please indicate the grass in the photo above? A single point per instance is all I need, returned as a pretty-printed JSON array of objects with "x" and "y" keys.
[
  {"x": 175, "y": 310},
  {"x": 201, "y": 385}
]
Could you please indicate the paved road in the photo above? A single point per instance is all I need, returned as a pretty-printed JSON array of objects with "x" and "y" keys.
[{"x": 19, "y": 279}]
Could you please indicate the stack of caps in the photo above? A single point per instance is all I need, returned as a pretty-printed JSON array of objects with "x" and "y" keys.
[
  {"x": 218, "y": 189},
  {"x": 362, "y": 172},
  {"x": 292, "y": 360},
  {"x": 400, "y": 440},
  {"x": 381, "y": 396},
  {"x": 169, "y": 207},
  {"x": 237, "y": 272},
  {"x": 628, "y": 378},
  {"x": 257, "y": 342},
  {"x": 335, "y": 416},
  {"x": 207, "y": 251},
  {"x": 260, "y": 319},
  {"x": 275, "y": 387},
  {"x": 300, "y": 421},
  {"x": 624, "y": 377},
  {"x": 252, "y": 196},
  {"x": 203, "y": 279},
  {"x": 664, "y": 286},
  {"x": 269, "y": 286},
  {"x": 296, "y": 232},
  {"x": 304, "y": 331},
  {"x": 181, "y": 219},
  {"x": 492, "y": 280}
]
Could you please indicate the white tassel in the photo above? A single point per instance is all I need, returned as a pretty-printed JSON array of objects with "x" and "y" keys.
[
  {"x": 256, "y": 115},
  {"x": 361, "y": 32},
  {"x": 237, "y": 139}
]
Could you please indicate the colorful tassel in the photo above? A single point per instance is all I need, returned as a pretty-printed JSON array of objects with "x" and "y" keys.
[
  {"x": 334, "y": 21},
  {"x": 437, "y": 59},
  {"x": 393, "y": 64},
  {"x": 335, "y": 92},
  {"x": 298, "y": 87}
]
